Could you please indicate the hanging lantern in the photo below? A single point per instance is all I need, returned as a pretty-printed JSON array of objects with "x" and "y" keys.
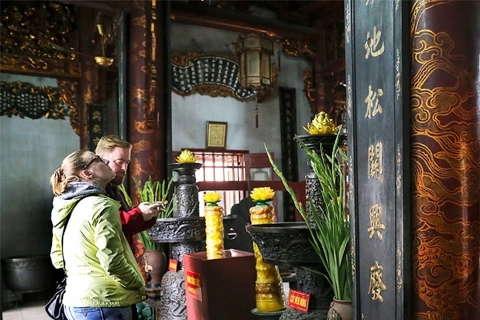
[{"x": 255, "y": 69}]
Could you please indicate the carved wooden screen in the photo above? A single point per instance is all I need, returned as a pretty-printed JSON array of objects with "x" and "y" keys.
[
  {"x": 207, "y": 74},
  {"x": 377, "y": 59}
]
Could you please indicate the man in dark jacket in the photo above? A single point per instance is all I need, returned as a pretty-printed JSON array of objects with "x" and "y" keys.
[{"x": 134, "y": 220}]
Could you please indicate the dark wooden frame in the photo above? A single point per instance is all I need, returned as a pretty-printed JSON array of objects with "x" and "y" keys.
[{"x": 210, "y": 138}]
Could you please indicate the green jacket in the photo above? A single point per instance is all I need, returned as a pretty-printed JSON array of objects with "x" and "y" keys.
[{"x": 101, "y": 269}]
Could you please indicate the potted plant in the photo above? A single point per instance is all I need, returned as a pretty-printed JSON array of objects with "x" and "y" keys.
[
  {"x": 154, "y": 191},
  {"x": 330, "y": 225}
]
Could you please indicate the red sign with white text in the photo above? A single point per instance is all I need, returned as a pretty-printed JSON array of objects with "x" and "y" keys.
[
  {"x": 298, "y": 300},
  {"x": 194, "y": 288}
]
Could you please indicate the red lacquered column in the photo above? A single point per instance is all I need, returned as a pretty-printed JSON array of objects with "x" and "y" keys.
[{"x": 445, "y": 160}]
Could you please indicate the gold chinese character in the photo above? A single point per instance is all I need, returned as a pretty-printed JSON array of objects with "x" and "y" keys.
[
  {"x": 375, "y": 161},
  {"x": 96, "y": 115},
  {"x": 372, "y": 44},
  {"x": 97, "y": 128},
  {"x": 373, "y": 104},
  {"x": 376, "y": 221},
  {"x": 376, "y": 283}
]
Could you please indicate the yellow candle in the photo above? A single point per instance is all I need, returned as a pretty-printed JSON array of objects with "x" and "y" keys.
[
  {"x": 214, "y": 231},
  {"x": 268, "y": 285},
  {"x": 213, "y": 225}
]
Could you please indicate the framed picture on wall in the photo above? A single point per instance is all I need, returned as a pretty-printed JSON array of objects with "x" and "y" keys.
[{"x": 216, "y": 135}]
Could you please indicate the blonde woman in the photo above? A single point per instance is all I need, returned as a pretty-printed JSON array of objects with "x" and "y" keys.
[{"x": 103, "y": 281}]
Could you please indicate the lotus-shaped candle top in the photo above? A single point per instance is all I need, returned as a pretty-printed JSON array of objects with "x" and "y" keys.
[
  {"x": 211, "y": 198},
  {"x": 186, "y": 156},
  {"x": 262, "y": 195},
  {"x": 321, "y": 124}
]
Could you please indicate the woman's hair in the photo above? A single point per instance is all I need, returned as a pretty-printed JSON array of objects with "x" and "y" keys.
[
  {"x": 68, "y": 172},
  {"x": 108, "y": 143}
]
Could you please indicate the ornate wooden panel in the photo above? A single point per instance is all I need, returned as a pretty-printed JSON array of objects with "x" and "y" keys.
[
  {"x": 26, "y": 100},
  {"x": 288, "y": 127},
  {"x": 31, "y": 47},
  {"x": 377, "y": 59},
  {"x": 212, "y": 75},
  {"x": 96, "y": 124}
]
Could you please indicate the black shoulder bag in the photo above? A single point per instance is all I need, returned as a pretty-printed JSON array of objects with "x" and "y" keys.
[{"x": 54, "y": 306}]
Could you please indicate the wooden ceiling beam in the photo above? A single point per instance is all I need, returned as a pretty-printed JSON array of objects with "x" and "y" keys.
[
  {"x": 110, "y": 6},
  {"x": 311, "y": 7},
  {"x": 234, "y": 21}
]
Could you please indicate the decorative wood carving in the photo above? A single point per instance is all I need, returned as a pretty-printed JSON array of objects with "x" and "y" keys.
[
  {"x": 68, "y": 92},
  {"x": 29, "y": 46},
  {"x": 288, "y": 121},
  {"x": 25, "y": 100},
  {"x": 207, "y": 74},
  {"x": 298, "y": 48}
]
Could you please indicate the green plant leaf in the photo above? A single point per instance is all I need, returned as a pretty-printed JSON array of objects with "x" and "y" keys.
[
  {"x": 153, "y": 191},
  {"x": 147, "y": 242},
  {"x": 125, "y": 195},
  {"x": 330, "y": 229}
]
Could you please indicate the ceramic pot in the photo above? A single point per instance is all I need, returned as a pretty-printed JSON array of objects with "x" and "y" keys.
[
  {"x": 30, "y": 274},
  {"x": 340, "y": 310},
  {"x": 156, "y": 264}
]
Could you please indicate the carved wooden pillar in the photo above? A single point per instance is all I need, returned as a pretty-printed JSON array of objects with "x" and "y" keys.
[
  {"x": 163, "y": 91},
  {"x": 445, "y": 159},
  {"x": 88, "y": 81},
  {"x": 319, "y": 64},
  {"x": 144, "y": 115},
  {"x": 377, "y": 60}
]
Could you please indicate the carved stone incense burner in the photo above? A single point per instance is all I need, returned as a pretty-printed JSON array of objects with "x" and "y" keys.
[
  {"x": 316, "y": 142},
  {"x": 288, "y": 244},
  {"x": 185, "y": 232}
]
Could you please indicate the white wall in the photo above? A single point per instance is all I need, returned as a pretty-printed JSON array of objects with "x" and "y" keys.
[
  {"x": 190, "y": 113},
  {"x": 31, "y": 149},
  {"x": 29, "y": 152}
]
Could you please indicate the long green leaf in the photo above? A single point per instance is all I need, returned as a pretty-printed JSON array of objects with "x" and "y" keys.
[
  {"x": 153, "y": 191},
  {"x": 126, "y": 196},
  {"x": 331, "y": 232}
]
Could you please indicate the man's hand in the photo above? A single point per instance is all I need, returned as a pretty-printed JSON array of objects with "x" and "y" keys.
[{"x": 150, "y": 210}]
